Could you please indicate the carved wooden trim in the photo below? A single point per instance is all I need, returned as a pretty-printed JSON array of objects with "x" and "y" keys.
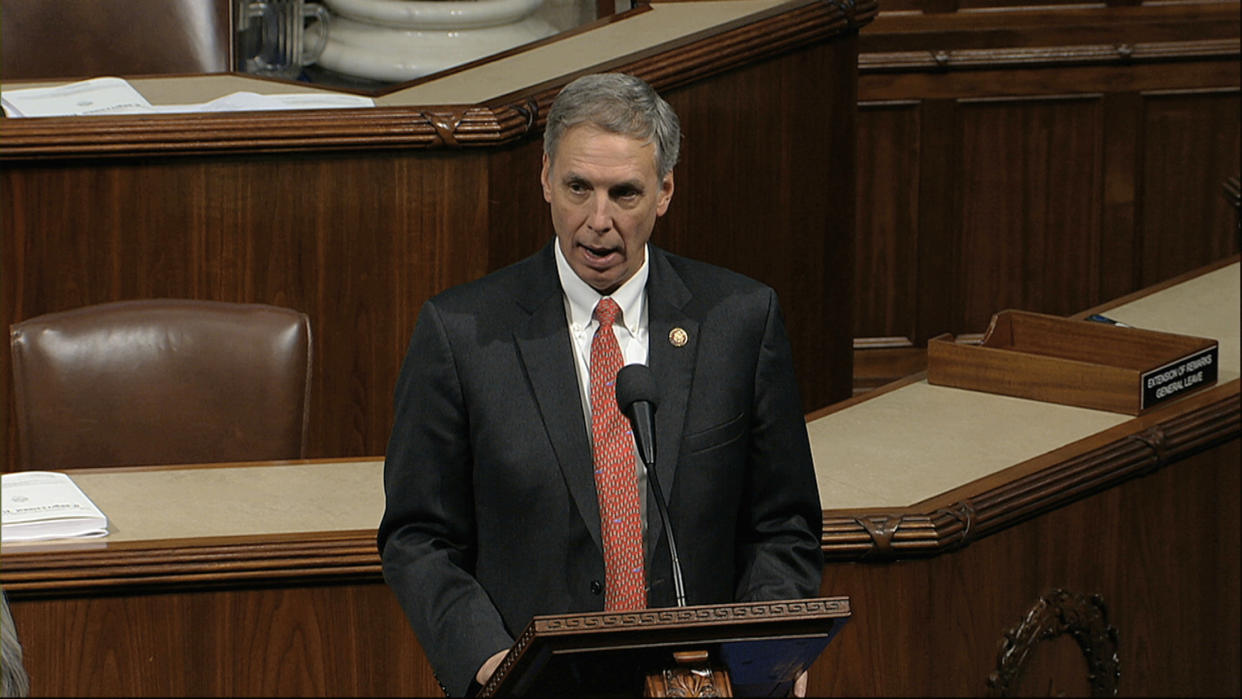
[
  {"x": 740, "y": 613},
  {"x": 1055, "y": 614},
  {"x": 671, "y": 617},
  {"x": 333, "y": 557},
  {"x": 694, "y": 675},
  {"x": 497, "y": 122},
  {"x": 866, "y": 536},
  {"x": 894, "y": 535},
  {"x": 1047, "y": 56},
  {"x": 732, "y": 618}
]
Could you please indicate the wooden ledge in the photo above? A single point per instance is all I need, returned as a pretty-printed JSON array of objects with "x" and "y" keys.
[
  {"x": 495, "y": 122},
  {"x": 33, "y": 570},
  {"x": 955, "y": 519}
]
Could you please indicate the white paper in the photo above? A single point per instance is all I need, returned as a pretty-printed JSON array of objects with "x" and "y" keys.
[
  {"x": 117, "y": 96},
  {"x": 47, "y": 505},
  {"x": 95, "y": 96},
  {"x": 252, "y": 101}
]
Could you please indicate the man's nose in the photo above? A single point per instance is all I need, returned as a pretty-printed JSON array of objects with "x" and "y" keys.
[{"x": 600, "y": 219}]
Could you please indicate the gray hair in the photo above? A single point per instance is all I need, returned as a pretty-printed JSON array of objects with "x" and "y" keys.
[
  {"x": 15, "y": 682},
  {"x": 620, "y": 104}
]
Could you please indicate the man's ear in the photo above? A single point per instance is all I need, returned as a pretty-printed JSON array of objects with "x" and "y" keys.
[
  {"x": 543, "y": 179},
  {"x": 666, "y": 194}
]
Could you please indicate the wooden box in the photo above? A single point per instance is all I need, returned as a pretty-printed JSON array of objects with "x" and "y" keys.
[{"x": 1075, "y": 362}]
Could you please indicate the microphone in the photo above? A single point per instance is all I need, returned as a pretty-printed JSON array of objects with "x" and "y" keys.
[{"x": 638, "y": 396}]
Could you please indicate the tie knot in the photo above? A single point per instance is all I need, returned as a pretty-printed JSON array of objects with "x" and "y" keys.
[{"x": 606, "y": 312}]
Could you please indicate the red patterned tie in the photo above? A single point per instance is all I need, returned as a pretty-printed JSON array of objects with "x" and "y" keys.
[{"x": 616, "y": 481}]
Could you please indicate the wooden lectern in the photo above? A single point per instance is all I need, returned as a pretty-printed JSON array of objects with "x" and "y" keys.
[{"x": 750, "y": 648}]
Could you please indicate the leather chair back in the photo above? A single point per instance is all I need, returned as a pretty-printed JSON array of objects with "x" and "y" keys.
[
  {"x": 68, "y": 39},
  {"x": 161, "y": 382}
]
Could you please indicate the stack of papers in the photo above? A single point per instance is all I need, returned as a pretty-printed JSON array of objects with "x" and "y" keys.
[
  {"x": 47, "y": 505},
  {"x": 104, "y": 96}
]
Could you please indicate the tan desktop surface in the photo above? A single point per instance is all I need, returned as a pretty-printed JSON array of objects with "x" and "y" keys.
[
  {"x": 155, "y": 504},
  {"x": 918, "y": 441}
]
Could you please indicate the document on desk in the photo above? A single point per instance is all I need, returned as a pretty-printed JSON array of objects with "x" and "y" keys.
[
  {"x": 86, "y": 97},
  {"x": 110, "y": 96},
  {"x": 47, "y": 505}
]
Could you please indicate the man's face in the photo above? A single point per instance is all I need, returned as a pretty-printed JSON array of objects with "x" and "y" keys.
[{"x": 606, "y": 195}]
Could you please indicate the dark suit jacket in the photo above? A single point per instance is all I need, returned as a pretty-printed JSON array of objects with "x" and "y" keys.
[{"x": 492, "y": 515}]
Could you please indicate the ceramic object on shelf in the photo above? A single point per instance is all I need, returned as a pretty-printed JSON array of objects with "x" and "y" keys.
[
  {"x": 434, "y": 14},
  {"x": 397, "y": 55}
]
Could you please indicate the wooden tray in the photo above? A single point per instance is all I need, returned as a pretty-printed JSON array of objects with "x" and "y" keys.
[{"x": 1075, "y": 362}]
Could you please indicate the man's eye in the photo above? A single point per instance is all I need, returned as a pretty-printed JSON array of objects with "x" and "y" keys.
[{"x": 577, "y": 187}]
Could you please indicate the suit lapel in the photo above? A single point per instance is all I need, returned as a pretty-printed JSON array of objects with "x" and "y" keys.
[
  {"x": 673, "y": 368},
  {"x": 544, "y": 346}
]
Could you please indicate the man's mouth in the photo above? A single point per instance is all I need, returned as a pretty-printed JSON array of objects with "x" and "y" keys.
[{"x": 598, "y": 254}]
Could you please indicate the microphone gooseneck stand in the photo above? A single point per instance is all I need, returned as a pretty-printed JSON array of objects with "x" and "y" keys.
[{"x": 638, "y": 396}]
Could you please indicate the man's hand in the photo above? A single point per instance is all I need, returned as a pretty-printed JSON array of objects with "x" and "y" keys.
[
  {"x": 799, "y": 688},
  {"x": 488, "y": 668}
]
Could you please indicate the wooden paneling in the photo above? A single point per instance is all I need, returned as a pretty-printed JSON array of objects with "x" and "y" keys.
[
  {"x": 1161, "y": 550},
  {"x": 886, "y": 249},
  {"x": 355, "y": 242},
  {"x": 799, "y": 240},
  {"x": 1061, "y": 154},
  {"x": 938, "y": 223},
  {"x": 358, "y": 219},
  {"x": 1118, "y": 250},
  {"x": 1029, "y": 182},
  {"x": 346, "y": 639},
  {"x": 1189, "y": 145},
  {"x": 88, "y": 38}
]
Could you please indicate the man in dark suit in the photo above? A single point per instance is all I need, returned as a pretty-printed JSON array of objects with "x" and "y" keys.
[{"x": 507, "y": 444}]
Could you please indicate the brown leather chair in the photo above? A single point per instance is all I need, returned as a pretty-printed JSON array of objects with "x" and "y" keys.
[{"x": 161, "y": 382}]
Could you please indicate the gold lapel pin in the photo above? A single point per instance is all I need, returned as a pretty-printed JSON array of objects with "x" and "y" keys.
[{"x": 678, "y": 337}]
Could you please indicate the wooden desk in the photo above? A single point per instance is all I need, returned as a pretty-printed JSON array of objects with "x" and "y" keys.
[
  {"x": 228, "y": 580},
  {"x": 947, "y": 515},
  {"x": 950, "y": 513}
]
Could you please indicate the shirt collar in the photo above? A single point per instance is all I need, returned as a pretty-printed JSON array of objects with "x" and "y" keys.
[{"x": 582, "y": 297}]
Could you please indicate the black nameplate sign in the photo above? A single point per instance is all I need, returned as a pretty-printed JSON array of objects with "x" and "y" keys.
[{"x": 1176, "y": 378}]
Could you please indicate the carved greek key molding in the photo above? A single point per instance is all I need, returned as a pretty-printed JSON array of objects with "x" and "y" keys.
[
  {"x": 676, "y": 616},
  {"x": 731, "y": 616}
]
